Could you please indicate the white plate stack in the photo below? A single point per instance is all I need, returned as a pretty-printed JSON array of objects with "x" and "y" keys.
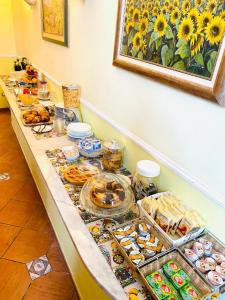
[{"x": 79, "y": 130}]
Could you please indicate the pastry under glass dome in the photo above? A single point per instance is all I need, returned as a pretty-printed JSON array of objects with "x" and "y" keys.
[{"x": 107, "y": 195}]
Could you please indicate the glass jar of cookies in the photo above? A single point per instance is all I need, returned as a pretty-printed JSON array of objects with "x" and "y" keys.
[
  {"x": 146, "y": 179},
  {"x": 112, "y": 156}
]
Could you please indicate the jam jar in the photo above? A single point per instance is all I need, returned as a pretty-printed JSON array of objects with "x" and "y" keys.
[
  {"x": 146, "y": 179},
  {"x": 112, "y": 156}
]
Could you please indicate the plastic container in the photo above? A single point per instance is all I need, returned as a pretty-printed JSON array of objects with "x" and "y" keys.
[
  {"x": 146, "y": 179},
  {"x": 71, "y": 96},
  {"x": 112, "y": 156},
  {"x": 71, "y": 153}
]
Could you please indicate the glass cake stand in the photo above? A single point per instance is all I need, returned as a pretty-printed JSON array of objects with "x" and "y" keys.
[{"x": 86, "y": 199}]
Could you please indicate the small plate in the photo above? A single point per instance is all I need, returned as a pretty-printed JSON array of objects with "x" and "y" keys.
[{"x": 42, "y": 128}]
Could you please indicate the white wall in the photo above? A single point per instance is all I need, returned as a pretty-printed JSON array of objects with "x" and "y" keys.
[
  {"x": 7, "y": 45},
  {"x": 188, "y": 129}
]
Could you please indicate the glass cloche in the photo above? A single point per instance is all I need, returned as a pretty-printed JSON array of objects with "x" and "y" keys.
[{"x": 107, "y": 195}]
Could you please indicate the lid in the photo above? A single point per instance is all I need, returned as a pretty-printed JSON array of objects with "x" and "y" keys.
[
  {"x": 112, "y": 145},
  {"x": 107, "y": 195},
  {"x": 71, "y": 86},
  {"x": 148, "y": 168}
]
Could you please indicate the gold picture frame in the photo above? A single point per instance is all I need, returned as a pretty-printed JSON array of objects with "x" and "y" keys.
[
  {"x": 55, "y": 21},
  {"x": 167, "y": 47}
]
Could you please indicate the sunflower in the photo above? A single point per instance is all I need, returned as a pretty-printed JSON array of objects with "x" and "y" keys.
[
  {"x": 145, "y": 14},
  {"x": 186, "y": 29},
  {"x": 149, "y": 6},
  {"x": 144, "y": 47},
  {"x": 198, "y": 2},
  {"x": 131, "y": 10},
  {"x": 136, "y": 15},
  {"x": 175, "y": 15},
  {"x": 143, "y": 6},
  {"x": 215, "y": 30},
  {"x": 170, "y": 8},
  {"x": 176, "y": 3},
  {"x": 196, "y": 42},
  {"x": 129, "y": 26},
  {"x": 193, "y": 15},
  {"x": 204, "y": 19},
  {"x": 164, "y": 10},
  {"x": 160, "y": 25},
  {"x": 211, "y": 5},
  {"x": 186, "y": 6},
  {"x": 137, "y": 41},
  {"x": 167, "y": 3},
  {"x": 222, "y": 14},
  {"x": 157, "y": 3},
  {"x": 155, "y": 11},
  {"x": 143, "y": 26}
]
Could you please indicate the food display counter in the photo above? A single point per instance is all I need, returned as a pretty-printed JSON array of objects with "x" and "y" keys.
[{"x": 109, "y": 258}]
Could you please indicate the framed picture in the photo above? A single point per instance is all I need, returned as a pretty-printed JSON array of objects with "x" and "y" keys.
[
  {"x": 55, "y": 21},
  {"x": 180, "y": 42}
]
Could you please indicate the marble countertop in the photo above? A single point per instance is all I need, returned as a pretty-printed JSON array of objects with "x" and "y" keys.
[{"x": 82, "y": 240}]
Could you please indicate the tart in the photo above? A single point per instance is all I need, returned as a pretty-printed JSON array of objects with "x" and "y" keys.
[
  {"x": 79, "y": 174},
  {"x": 107, "y": 194}
]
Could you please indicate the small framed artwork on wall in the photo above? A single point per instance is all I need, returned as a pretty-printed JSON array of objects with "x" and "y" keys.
[
  {"x": 180, "y": 42},
  {"x": 55, "y": 21}
]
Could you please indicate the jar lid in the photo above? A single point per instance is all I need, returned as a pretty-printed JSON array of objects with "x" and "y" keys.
[
  {"x": 71, "y": 87},
  {"x": 148, "y": 168},
  {"x": 112, "y": 145}
]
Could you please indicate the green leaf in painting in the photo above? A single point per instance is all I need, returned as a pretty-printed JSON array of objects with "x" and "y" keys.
[
  {"x": 124, "y": 49},
  {"x": 212, "y": 61},
  {"x": 179, "y": 65},
  {"x": 158, "y": 43},
  {"x": 180, "y": 43},
  {"x": 167, "y": 17},
  {"x": 150, "y": 26},
  {"x": 166, "y": 55},
  {"x": 169, "y": 32},
  {"x": 153, "y": 38},
  {"x": 131, "y": 36},
  {"x": 140, "y": 55},
  {"x": 184, "y": 51},
  {"x": 199, "y": 59},
  {"x": 134, "y": 52}
]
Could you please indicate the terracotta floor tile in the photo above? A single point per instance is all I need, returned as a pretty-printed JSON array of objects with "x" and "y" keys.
[
  {"x": 14, "y": 280},
  {"x": 7, "y": 235},
  {"x": 53, "y": 286},
  {"x": 39, "y": 221},
  {"x": 28, "y": 245},
  {"x": 56, "y": 258},
  {"x": 9, "y": 188},
  {"x": 28, "y": 192},
  {"x": 16, "y": 213}
]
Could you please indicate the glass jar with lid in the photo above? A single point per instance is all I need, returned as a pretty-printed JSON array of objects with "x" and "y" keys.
[
  {"x": 112, "y": 156},
  {"x": 146, "y": 179}
]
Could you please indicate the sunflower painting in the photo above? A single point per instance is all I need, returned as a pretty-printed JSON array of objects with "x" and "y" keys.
[{"x": 181, "y": 35}]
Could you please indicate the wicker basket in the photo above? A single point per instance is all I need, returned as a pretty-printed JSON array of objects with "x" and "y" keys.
[
  {"x": 175, "y": 255},
  {"x": 152, "y": 230}
]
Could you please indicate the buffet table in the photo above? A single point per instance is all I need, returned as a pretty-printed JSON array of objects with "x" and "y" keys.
[
  {"x": 91, "y": 273},
  {"x": 112, "y": 258}
]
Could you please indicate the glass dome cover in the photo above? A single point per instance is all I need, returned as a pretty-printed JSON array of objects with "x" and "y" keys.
[{"x": 107, "y": 195}]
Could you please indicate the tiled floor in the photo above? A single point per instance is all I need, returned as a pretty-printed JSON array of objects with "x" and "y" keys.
[{"x": 27, "y": 240}]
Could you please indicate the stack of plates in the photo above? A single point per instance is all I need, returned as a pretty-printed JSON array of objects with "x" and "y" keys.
[{"x": 79, "y": 130}]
